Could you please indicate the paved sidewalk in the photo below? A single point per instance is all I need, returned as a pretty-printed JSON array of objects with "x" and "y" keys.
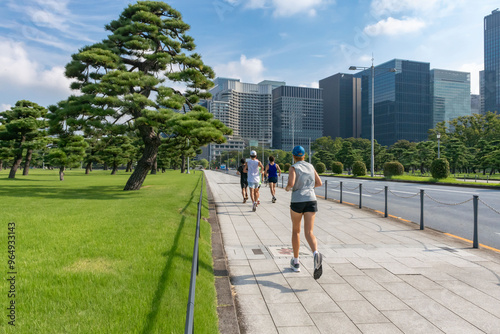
[{"x": 379, "y": 275}]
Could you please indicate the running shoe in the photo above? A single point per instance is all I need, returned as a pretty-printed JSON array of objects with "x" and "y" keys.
[
  {"x": 244, "y": 200},
  {"x": 274, "y": 199},
  {"x": 254, "y": 206},
  {"x": 318, "y": 267},
  {"x": 295, "y": 266}
]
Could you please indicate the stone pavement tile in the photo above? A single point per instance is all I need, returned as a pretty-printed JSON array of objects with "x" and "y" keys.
[
  {"x": 384, "y": 300},
  {"x": 346, "y": 269},
  {"x": 342, "y": 292},
  {"x": 363, "y": 283},
  {"x": 474, "y": 296},
  {"x": 398, "y": 268},
  {"x": 460, "y": 262},
  {"x": 298, "y": 330},
  {"x": 335, "y": 259},
  {"x": 413, "y": 262},
  {"x": 420, "y": 282},
  {"x": 362, "y": 312},
  {"x": 381, "y": 275},
  {"x": 329, "y": 323},
  {"x": 305, "y": 284},
  {"x": 402, "y": 290},
  {"x": 277, "y": 293},
  {"x": 410, "y": 322},
  {"x": 318, "y": 302},
  {"x": 489, "y": 284},
  {"x": 289, "y": 314},
  {"x": 252, "y": 304},
  {"x": 263, "y": 266},
  {"x": 386, "y": 328},
  {"x": 436, "y": 275},
  {"x": 329, "y": 275},
  {"x": 467, "y": 310},
  {"x": 258, "y": 324},
  {"x": 441, "y": 317},
  {"x": 238, "y": 263},
  {"x": 364, "y": 263}
]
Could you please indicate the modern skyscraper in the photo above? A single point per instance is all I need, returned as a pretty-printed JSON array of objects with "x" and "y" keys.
[
  {"x": 450, "y": 91},
  {"x": 402, "y": 101},
  {"x": 341, "y": 105},
  {"x": 297, "y": 116},
  {"x": 492, "y": 61},
  {"x": 481, "y": 90},
  {"x": 475, "y": 104}
]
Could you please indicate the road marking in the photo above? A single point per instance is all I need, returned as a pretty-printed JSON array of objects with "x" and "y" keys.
[
  {"x": 403, "y": 192},
  {"x": 470, "y": 241}
]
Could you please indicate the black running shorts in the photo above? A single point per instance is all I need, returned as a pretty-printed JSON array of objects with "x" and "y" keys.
[{"x": 301, "y": 207}]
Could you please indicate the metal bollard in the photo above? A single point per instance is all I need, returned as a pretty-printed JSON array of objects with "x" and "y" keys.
[
  {"x": 421, "y": 209},
  {"x": 326, "y": 189},
  {"x": 340, "y": 192},
  {"x": 360, "y": 195},
  {"x": 386, "y": 214},
  {"x": 475, "y": 243},
  {"x": 282, "y": 182}
]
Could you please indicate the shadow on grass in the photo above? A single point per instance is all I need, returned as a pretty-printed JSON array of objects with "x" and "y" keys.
[
  {"x": 56, "y": 192},
  {"x": 163, "y": 280}
]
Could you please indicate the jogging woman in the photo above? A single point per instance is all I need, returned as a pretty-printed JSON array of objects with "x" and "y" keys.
[{"x": 302, "y": 180}]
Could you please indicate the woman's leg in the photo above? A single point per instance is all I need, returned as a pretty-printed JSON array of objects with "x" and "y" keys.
[
  {"x": 308, "y": 230},
  {"x": 296, "y": 220}
]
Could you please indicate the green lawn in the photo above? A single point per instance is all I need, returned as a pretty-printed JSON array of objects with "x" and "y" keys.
[{"x": 91, "y": 258}]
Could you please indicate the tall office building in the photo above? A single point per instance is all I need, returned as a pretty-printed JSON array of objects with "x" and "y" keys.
[
  {"x": 450, "y": 92},
  {"x": 481, "y": 91},
  {"x": 492, "y": 61},
  {"x": 341, "y": 105},
  {"x": 475, "y": 104},
  {"x": 247, "y": 109},
  {"x": 297, "y": 116},
  {"x": 402, "y": 102}
]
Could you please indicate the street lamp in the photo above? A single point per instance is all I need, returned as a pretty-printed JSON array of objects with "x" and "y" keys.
[
  {"x": 354, "y": 68},
  {"x": 438, "y": 135},
  {"x": 188, "y": 172}
]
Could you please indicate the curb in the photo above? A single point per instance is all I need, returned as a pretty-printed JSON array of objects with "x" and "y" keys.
[{"x": 226, "y": 309}]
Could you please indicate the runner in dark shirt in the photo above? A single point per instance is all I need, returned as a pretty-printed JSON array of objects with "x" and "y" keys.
[{"x": 243, "y": 180}]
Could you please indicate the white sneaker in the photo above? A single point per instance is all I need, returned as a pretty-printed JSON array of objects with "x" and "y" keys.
[{"x": 295, "y": 266}]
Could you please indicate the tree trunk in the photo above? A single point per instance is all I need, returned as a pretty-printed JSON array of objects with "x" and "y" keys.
[
  {"x": 15, "y": 166},
  {"x": 129, "y": 166},
  {"x": 61, "y": 173},
  {"x": 183, "y": 163},
  {"x": 105, "y": 166},
  {"x": 154, "y": 168},
  {"x": 115, "y": 168},
  {"x": 27, "y": 161},
  {"x": 87, "y": 167},
  {"x": 1, "y": 164},
  {"x": 151, "y": 144}
]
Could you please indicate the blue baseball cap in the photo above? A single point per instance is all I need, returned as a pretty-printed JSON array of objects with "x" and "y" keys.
[{"x": 298, "y": 151}]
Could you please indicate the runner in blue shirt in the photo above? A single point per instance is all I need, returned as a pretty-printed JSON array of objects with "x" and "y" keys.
[{"x": 272, "y": 172}]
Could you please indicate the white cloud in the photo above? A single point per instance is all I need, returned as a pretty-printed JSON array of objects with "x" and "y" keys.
[
  {"x": 286, "y": 8},
  {"x": 474, "y": 69},
  {"x": 392, "y": 26},
  {"x": 19, "y": 72},
  {"x": 390, "y": 7},
  {"x": 314, "y": 84},
  {"x": 247, "y": 70},
  {"x": 4, "y": 107}
]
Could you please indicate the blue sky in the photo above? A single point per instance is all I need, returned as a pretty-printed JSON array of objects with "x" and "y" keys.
[{"x": 297, "y": 41}]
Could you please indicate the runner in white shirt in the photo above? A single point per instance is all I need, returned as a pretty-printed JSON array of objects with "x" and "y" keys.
[{"x": 253, "y": 177}]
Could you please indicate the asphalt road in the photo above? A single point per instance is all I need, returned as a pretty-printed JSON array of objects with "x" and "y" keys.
[{"x": 442, "y": 210}]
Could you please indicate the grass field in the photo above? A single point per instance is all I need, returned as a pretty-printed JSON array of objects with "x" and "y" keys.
[{"x": 91, "y": 258}]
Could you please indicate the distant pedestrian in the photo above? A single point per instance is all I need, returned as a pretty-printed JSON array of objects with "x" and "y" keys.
[
  {"x": 302, "y": 180},
  {"x": 272, "y": 173},
  {"x": 243, "y": 180},
  {"x": 252, "y": 168}
]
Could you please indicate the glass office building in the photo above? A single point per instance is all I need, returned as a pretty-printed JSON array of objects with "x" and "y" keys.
[
  {"x": 450, "y": 91},
  {"x": 341, "y": 105},
  {"x": 297, "y": 116},
  {"x": 492, "y": 61},
  {"x": 403, "y": 108}
]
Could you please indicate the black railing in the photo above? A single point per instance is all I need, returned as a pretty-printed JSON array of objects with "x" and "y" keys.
[{"x": 189, "y": 328}]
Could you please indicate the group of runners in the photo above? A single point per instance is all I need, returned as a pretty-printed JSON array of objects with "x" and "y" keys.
[{"x": 302, "y": 179}]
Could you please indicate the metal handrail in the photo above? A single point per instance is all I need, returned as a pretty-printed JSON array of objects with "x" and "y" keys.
[{"x": 189, "y": 328}]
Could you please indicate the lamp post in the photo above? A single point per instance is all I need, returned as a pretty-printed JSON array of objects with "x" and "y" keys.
[
  {"x": 372, "y": 68},
  {"x": 188, "y": 172},
  {"x": 438, "y": 135}
]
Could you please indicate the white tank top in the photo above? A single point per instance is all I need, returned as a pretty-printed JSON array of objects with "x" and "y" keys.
[{"x": 253, "y": 171}]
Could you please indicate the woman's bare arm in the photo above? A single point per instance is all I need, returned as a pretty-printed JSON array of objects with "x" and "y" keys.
[{"x": 291, "y": 179}]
